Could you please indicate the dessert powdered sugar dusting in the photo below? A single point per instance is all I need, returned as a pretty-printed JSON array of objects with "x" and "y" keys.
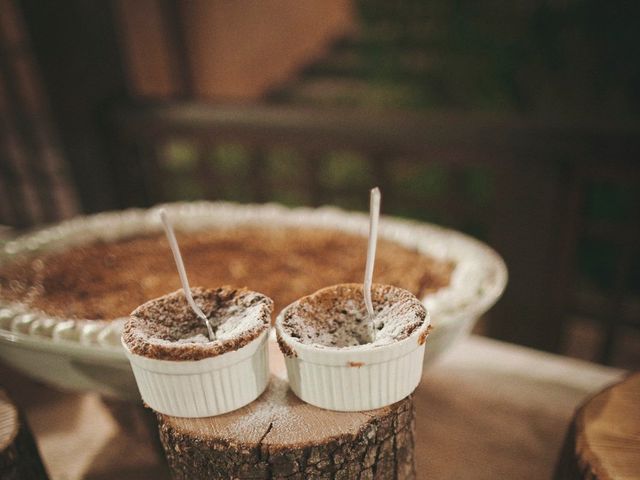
[
  {"x": 167, "y": 328},
  {"x": 337, "y": 317}
]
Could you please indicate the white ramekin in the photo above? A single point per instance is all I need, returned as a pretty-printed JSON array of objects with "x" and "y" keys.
[
  {"x": 207, "y": 387},
  {"x": 354, "y": 378}
]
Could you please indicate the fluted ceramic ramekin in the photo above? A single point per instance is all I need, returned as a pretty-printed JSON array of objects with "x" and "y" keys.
[
  {"x": 180, "y": 371},
  {"x": 362, "y": 377},
  {"x": 203, "y": 388}
]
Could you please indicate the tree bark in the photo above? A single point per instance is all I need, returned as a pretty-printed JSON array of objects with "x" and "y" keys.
[
  {"x": 280, "y": 437},
  {"x": 19, "y": 457}
]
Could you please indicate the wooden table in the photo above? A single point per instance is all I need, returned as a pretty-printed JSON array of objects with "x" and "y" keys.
[{"x": 487, "y": 410}]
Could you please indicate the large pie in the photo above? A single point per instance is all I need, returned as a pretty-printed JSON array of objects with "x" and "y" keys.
[
  {"x": 70, "y": 281},
  {"x": 108, "y": 279}
]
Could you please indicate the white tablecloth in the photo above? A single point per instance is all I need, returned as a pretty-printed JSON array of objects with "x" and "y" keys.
[
  {"x": 491, "y": 410},
  {"x": 487, "y": 410}
]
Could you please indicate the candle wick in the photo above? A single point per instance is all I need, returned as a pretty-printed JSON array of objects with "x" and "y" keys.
[
  {"x": 182, "y": 273},
  {"x": 374, "y": 216}
]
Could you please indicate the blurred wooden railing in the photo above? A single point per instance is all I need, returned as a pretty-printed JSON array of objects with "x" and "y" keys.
[
  {"x": 533, "y": 209},
  {"x": 34, "y": 184}
]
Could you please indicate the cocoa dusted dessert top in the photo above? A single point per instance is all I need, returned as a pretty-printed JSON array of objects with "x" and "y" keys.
[
  {"x": 336, "y": 317},
  {"x": 167, "y": 329},
  {"x": 104, "y": 280}
]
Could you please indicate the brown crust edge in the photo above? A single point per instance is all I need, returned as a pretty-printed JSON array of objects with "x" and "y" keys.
[{"x": 423, "y": 336}]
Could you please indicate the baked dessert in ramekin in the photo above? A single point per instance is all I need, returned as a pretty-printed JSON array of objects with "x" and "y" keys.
[
  {"x": 339, "y": 359},
  {"x": 180, "y": 371}
]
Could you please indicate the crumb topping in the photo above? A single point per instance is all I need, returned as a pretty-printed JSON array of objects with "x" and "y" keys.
[
  {"x": 336, "y": 316},
  {"x": 167, "y": 329}
]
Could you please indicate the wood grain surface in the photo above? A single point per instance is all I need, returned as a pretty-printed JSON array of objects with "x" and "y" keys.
[{"x": 603, "y": 442}]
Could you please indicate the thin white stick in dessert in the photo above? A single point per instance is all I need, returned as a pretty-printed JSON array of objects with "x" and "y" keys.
[
  {"x": 173, "y": 243},
  {"x": 374, "y": 215}
]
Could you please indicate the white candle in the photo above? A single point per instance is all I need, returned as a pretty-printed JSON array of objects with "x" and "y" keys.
[
  {"x": 374, "y": 215},
  {"x": 173, "y": 243}
]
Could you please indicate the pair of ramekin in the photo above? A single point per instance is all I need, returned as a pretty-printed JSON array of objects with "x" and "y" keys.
[{"x": 362, "y": 377}]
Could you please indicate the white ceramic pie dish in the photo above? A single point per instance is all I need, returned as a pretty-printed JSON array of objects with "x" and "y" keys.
[{"x": 87, "y": 354}]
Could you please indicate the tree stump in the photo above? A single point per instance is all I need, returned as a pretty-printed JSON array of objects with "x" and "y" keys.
[
  {"x": 19, "y": 457},
  {"x": 278, "y": 436},
  {"x": 603, "y": 442}
]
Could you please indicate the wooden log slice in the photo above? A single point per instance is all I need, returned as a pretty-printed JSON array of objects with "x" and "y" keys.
[
  {"x": 19, "y": 457},
  {"x": 281, "y": 437},
  {"x": 603, "y": 442}
]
